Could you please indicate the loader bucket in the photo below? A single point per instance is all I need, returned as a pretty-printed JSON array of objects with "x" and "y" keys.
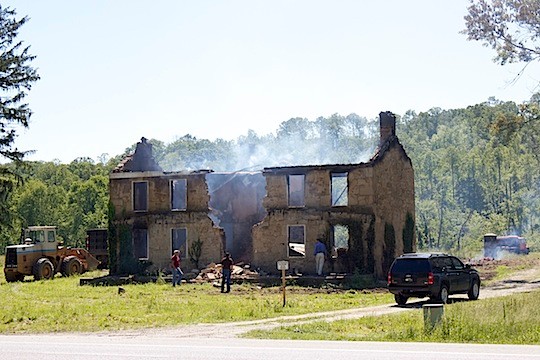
[
  {"x": 92, "y": 262},
  {"x": 88, "y": 260}
]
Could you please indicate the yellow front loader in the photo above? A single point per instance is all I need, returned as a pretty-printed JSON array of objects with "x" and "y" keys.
[{"x": 40, "y": 255}]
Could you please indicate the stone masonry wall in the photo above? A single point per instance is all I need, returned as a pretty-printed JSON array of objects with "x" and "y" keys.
[
  {"x": 380, "y": 192},
  {"x": 199, "y": 227},
  {"x": 159, "y": 220},
  {"x": 318, "y": 187},
  {"x": 270, "y": 239},
  {"x": 394, "y": 198},
  {"x": 159, "y": 197},
  {"x": 276, "y": 192}
]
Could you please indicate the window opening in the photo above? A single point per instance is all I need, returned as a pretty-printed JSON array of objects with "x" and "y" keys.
[
  {"x": 340, "y": 189},
  {"x": 140, "y": 244},
  {"x": 296, "y": 190},
  {"x": 340, "y": 235},
  {"x": 297, "y": 241},
  {"x": 179, "y": 241},
  {"x": 179, "y": 194},
  {"x": 140, "y": 196}
]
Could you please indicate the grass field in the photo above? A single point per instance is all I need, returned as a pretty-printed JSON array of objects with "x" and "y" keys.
[
  {"x": 60, "y": 304},
  {"x": 512, "y": 319}
]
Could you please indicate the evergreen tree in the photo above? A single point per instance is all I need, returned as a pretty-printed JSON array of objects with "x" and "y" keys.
[{"x": 16, "y": 77}]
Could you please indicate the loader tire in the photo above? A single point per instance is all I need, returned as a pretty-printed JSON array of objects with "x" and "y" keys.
[
  {"x": 71, "y": 265},
  {"x": 12, "y": 277},
  {"x": 43, "y": 269}
]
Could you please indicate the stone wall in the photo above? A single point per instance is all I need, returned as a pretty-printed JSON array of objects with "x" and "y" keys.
[
  {"x": 270, "y": 237},
  {"x": 380, "y": 193},
  {"x": 318, "y": 185},
  {"x": 159, "y": 197},
  {"x": 199, "y": 227},
  {"x": 394, "y": 198},
  {"x": 270, "y": 240},
  {"x": 159, "y": 220}
]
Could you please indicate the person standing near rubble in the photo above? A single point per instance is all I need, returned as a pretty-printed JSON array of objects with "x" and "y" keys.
[
  {"x": 176, "y": 271},
  {"x": 226, "y": 269},
  {"x": 320, "y": 254}
]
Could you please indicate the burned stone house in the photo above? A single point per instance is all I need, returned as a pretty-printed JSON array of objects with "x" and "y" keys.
[{"x": 363, "y": 212}]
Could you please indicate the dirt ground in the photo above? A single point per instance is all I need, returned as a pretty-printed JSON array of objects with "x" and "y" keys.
[{"x": 488, "y": 268}]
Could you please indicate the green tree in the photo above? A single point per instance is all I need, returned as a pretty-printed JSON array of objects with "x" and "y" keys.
[
  {"x": 16, "y": 77},
  {"x": 298, "y": 128},
  {"x": 87, "y": 208},
  {"x": 40, "y": 204}
]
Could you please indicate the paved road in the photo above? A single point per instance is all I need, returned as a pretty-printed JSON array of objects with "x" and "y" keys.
[{"x": 90, "y": 347}]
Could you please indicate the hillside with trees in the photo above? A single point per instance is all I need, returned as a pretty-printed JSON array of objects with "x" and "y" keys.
[{"x": 476, "y": 171}]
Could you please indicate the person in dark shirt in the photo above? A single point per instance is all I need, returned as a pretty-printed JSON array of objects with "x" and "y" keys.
[
  {"x": 320, "y": 254},
  {"x": 226, "y": 269}
]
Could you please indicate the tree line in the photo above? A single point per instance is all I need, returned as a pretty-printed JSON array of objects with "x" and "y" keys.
[{"x": 476, "y": 171}]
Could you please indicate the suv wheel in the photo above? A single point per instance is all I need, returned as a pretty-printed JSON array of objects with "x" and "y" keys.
[
  {"x": 443, "y": 294},
  {"x": 474, "y": 290},
  {"x": 400, "y": 299}
]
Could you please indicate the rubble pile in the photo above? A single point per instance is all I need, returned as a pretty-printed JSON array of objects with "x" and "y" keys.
[
  {"x": 482, "y": 262},
  {"x": 212, "y": 273}
]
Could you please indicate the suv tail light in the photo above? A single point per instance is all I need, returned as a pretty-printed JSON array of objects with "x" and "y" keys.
[
  {"x": 389, "y": 278},
  {"x": 430, "y": 278}
]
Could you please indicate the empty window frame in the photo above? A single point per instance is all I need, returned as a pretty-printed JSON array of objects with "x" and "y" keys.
[
  {"x": 340, "y": 189},
  {"x": 178, "y": 194},
  {"x": 140, "y": 244},
  {"x": 179, "y": 241},
  {"x": 140, "y": 196},
  {"x": 340, "y": 237},
  {"x": 296, "y": 241},
  {"x": 296, "y": 190}
]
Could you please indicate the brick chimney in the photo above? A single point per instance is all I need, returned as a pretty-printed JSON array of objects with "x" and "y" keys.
[{"x": 388, "y": 125}]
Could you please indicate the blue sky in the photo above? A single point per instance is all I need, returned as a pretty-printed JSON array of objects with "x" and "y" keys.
[{"x": 114, "y": 71}]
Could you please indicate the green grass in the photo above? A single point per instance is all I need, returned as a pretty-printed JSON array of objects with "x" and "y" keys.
[
  {"x": 507, "y": 320},
  {"x": 60, "y": 304}
]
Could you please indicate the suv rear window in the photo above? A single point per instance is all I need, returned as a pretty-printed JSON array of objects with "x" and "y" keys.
[{"x": 411, "y": 265}]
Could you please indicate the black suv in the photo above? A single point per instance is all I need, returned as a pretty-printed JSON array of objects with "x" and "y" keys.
[{"x": 433, "y": 275}]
